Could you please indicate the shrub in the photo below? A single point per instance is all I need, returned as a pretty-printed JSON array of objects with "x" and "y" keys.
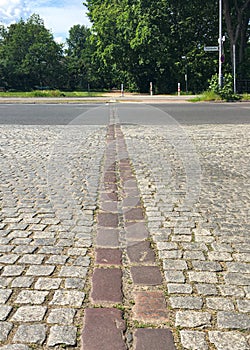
[
  {"x": 226, "y": 90},
  {"x": 47, "y": 93}
]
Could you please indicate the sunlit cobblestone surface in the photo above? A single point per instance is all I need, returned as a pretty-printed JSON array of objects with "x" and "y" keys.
[
  {"x": 49, "y": 181},
  {"x": 202, "y": 240},
  {"x": 194, "y": 182}
]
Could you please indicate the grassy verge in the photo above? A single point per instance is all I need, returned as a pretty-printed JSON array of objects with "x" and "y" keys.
[
  {"x": 51, "y": 93},
  {"x": 212, "y": 96},
  {"x": 246, "y": 97},
  {"x": 206, "y": 96}
]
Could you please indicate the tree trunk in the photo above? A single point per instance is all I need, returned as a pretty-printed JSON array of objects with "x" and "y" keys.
[{"x": 237, "y": 31}]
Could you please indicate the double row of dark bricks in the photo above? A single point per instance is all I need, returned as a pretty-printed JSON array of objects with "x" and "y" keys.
[{"x": 121, "y": 210}]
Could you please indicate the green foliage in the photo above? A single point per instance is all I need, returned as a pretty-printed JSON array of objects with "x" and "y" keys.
[
  {"x": 133, "y": 42},
  {"x": 47, "y": 93},
  {"x": 225, "y": 91},
  {"x": 138, "y": 42},
  {"x": 51, "y": 93},
  {"x": 78, "y": 58},
  {"x": 246, "y": 97},
  {"x": 29, "y": 56},
  {"x": 207, "y": 96}
]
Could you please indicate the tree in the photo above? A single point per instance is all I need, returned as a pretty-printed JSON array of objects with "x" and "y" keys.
[
  {"x": 237, "y": 14},
  {"x": 129, "y": 42},
  {"x": 144, "y": 40},
  {"x": 78, "y": 57},
  {"x": 106, "y": 40},
  {"x": 29, "y": 55}
]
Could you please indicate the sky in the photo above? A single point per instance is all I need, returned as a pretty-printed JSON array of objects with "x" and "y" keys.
[{"x": 58, "y": 15}]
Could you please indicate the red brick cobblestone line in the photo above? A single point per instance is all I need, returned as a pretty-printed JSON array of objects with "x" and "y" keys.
[{"x": 121, "y": 210}]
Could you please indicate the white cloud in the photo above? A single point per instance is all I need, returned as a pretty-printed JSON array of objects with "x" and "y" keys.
[
  {"x": 59, "y": 16},
  {"x": 60, "y": 20},
  {"x": 12, "y": 10}
]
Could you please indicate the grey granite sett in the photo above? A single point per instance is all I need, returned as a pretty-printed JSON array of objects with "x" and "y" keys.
[
  {"x": 24, "y": 249},
  {"x": 193, "y": 319},
  {"x": 46, "y": 283},
  {"x": 243, "y": 257},
  {"x": 206, "y": 266},
  {"x": 22, "y": 282},
  {"x": 166, "y": 246},
  {"x": 206, "y": 289},
  {"x": 231, "y": 290},
  {"x": 73, "y": 271},
  {"x": 173, "y": 264},
  {"x": 5, "y": 282},
  {"x": 204, "y": 276},
  {"x": 178, "y": 288},
  {"x": 233, "y": 320},
  {"x": 228, "y": 340},
  {"x": 238, "y": 267},
  {"x": 50, "y": 250},
  {"x": 75, "y": 283},
  {"x": 194, "y": 340},
  {"x": 40, "y": 270},
  {"x": 61, "y": 316},
  {"x": 170, "y": 254},
  {"x": 29, "y": 314},
  {"x": 31, "y": 297},
  {"x": 186, "y": 302},
  {"x": 4, "y": 311},
  {"x": 5, "y": 328},
  {"x": 238, "y": 279},
  {"x": 8, "y": 258},
  {"x": 194, "y": 255},
  {"x": 15, "y": 347},
  {"x": 82, "y": 261},
  {"x": 77, "y": 251},
  {"x": 57, "y": 259},
  {"x": 182, "y": 238},
  {"x": 220, "y": 303},
  {"x": 31, "y": 259},
  {"x": 65, "y": 335},
  {"x": 220, "y": 256},
  {"x": 174, "y": 276},
  {"x": 35, "y": 334},
  {"x": 244, "y": 305},
  {"x": 4, "y": 295},
  {"x": 68, "y": 297}
]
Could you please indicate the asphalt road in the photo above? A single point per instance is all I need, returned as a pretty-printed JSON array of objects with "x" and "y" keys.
[{"x": 129, "y": 113}]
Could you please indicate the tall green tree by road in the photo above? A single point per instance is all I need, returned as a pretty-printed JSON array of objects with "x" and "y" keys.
[
  {"x": 130, "y": 40},
  {"x": 194, "y": 24},
  {"x": 144, "y": 40},
  {"x": 237, "y": 14},
  {"x": 141, "y": 40},
  {"x": 29, "y": 56},
  {"x": 78, "y": 57}
]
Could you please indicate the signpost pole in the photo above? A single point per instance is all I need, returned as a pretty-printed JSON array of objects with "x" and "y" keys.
[
  {"x": 234, "y": 67},
  {"x": 220, "y": 43}
]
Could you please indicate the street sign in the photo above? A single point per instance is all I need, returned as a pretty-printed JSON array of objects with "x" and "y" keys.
[{"x": 211, "y": 48}]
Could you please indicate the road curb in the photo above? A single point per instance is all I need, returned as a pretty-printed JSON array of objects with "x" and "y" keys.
[{"x": 105, "y": 99}]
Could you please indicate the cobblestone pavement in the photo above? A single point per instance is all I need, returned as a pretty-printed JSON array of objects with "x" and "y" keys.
[
  {"x": 49, "y": 178},
  {"x": 203, "y": 242},
  {"x": 194, "y": 184}
]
